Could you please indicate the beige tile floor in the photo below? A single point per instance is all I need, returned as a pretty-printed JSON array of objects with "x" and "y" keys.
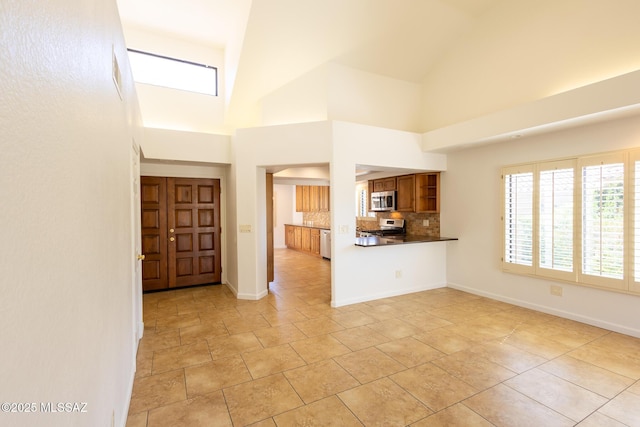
[{"x": 434, "y": 358}]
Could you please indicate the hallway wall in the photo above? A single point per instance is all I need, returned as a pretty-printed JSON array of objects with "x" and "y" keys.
[{"x": 69, "y": 333}]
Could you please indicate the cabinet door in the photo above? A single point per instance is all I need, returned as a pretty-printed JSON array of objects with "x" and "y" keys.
[
  {"x": 306, "y": 239},
  {"x": 428, "y": 192},
  {"x": 389, "y": 184},
  {"x": 306, "y": 205},
  {"x": 298, "y": 198},
  {"x": 378, "y": 185},
  {"x": 324, "y": 198},
  {"x": 315, "y": 241},
  {"x": 289, "y": 238},
  {"x": 297, "y": 237},
  {"x": 314, "y": 198},
  {"x": 405, "y": 199}
]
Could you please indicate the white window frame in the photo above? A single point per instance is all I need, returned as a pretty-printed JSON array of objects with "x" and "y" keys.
[
  {"x": 633, "y": 228},
  {"x": 506, "y": 264},
  {"x": 163, "y": 71},
  {"x": 607, "y": 282},
  {"x": 540, "y": 270},
  {"x": 629, "y": 283}
]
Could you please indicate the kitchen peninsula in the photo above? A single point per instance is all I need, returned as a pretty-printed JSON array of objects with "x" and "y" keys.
[{"x": 371, "y": 241}]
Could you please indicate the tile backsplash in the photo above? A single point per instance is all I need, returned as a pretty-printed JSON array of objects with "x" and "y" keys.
[
  {"x": 414, "y": 222},
  {"x": 318, "y": 219}
]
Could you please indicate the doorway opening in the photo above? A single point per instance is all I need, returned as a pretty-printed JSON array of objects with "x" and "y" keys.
[{"x": 299, "y": 206}]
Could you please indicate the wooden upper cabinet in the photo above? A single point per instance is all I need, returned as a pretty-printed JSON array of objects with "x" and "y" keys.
[
  {"x": 324, "y": 198},
  {"x": 306, "y": 205},
  {"x": 406, "y": 196},
  {"x": 428, "y": 192},
  {"x": 384, "y": 184},
  {"x": 312, "y": 198},
  {"x": 298, "y": 198}
]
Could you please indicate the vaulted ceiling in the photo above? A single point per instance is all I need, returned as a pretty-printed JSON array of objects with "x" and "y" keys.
[
  {"x": 268, "y": 43},
  {"x": 469, "y": 58}
]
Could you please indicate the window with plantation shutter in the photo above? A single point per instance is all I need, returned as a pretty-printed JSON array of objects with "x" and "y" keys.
[
  {"x": 603, "y": 219},
  {"x": 518, "y": 218},
  {"x": 556, "y": 219},
  {"x": 575, "y": 220},
  {"x": 635, "y": 194}
]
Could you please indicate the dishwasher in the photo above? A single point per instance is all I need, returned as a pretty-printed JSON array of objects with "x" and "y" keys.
[{"x": 325, "y": 244}]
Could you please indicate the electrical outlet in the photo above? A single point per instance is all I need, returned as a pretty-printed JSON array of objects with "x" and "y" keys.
[
  {"x": 245, "y": 228},
  {"x": 556, "y": 290},
  {"x": 344, "y": 229},
  {"x": 398, "y": 274},
  {"x": 425, "y": 222}
]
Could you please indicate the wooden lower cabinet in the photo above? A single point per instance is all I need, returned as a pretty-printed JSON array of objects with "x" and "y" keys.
[
  {"x": 315, "y": 241},
  {"x": 303, "y": 239}
]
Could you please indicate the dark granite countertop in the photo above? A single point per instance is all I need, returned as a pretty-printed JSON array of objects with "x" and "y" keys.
[{"x": 398, "y": 240}]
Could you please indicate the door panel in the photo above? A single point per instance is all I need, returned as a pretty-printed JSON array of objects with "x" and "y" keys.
[
  {"x": 194, "y": 217},
  {"x": 154, "y": 233}
]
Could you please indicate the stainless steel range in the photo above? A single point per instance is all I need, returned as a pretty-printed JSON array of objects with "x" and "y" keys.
[{"x": 388, "y": 227}]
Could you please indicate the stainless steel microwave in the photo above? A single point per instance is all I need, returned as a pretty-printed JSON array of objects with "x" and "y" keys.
[{"x": 383, "y": 201}]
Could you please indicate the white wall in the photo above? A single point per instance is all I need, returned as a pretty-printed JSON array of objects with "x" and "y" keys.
[
  {"x": 300, "y": 101},
  {"x": 471, "y": 211},
  {"x": 343, "y": 145},
  {"x": 174, "y": 109},
  {"x": 68, "y": 333},
  {"x": 253, "y": 150},
  {"x": 164, "y": 144},
  {"x": 284, "y": 206},
  {"x": 370, "y": 99},
  {"x": 358, "y": 273},
  {"x": 336, "y": 92},
  {"x": 521, "y": 51}
]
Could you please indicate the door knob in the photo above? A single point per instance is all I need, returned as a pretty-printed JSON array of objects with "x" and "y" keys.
[
  {"x": 140, "y": 257},
  {"x": 171, "y": 239}
]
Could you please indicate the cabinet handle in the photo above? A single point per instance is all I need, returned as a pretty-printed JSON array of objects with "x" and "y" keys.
[
  {"x": 171, "y": 239},
  {"x": 171, "y": 230}
]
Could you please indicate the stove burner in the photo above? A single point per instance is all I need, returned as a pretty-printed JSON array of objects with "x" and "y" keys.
[{"x": 388, "y": 227}]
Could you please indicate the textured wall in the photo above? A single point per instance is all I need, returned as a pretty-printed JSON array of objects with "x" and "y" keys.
[{"x": 66, "y": 260}]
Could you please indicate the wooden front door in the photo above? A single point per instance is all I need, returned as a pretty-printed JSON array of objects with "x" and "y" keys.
[
  {"x": 153, "y": 198},
  {"x": 190, "y": 240}
]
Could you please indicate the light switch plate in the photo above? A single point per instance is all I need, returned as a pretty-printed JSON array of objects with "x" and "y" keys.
[{"x": 245, "y": 228}]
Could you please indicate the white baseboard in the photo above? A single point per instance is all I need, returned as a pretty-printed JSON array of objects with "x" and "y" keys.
[
  {"x": 550, "y": 310},
  {"x": 231, "y": 288},
  {"x": 125, "y": 413},
  {"x": 392, "y": 293},
  {"x": 253, "y": 297},
  {"x": 140, "y": 333}
]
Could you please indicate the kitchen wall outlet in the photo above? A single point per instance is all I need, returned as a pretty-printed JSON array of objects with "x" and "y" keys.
[
  {"x": 425, "y": 222},
  {"x": 245, "y": 228},
  {"x": 398, "y": 274},
  {"x": 343, "y": 229},
  {"x": 556, "y": 290}
]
